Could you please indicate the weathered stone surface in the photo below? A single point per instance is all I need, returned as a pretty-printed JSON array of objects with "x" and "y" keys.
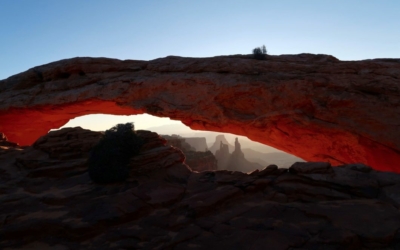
[
  {"x": 309, "y": 168},
  {"x": 68, "y": 143},
  {"x": 49, "y": 202},
  {"x": 313, "y": 106}
]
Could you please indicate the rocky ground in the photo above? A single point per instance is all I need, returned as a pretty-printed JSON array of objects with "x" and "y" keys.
[{"x": 49, "y": 202}]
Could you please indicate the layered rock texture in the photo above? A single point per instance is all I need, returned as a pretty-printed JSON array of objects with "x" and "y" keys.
[
  {"x": 49, "y": 202},
  {"x": 313, "y": 106}
]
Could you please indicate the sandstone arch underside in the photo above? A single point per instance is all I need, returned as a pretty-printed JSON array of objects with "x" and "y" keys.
[{"x": 313, "y": 106}]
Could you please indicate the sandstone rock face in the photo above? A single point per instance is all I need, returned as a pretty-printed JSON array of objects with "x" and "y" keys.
[
  {"x": 313, "y": 106},
  {"x": 49, "y": 202}
]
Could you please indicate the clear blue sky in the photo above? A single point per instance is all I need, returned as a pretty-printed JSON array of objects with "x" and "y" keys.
[
  {"x": 38, "y": 32},
  {"x": 42, "y": 31}
]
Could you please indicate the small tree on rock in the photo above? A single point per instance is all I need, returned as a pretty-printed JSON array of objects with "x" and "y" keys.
[
  {"x": 259, "y": 53},
  {"x": 109, "y": 159},
  {"x": 264, "y": 50}
]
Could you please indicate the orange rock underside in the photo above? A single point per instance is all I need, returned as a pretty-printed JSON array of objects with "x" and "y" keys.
[
  {"x": 312, "y": 106},
  {"x": 26, "y": 126},
  {"x": 313, "y": 143},
  {"x": 317, "y": 146}
]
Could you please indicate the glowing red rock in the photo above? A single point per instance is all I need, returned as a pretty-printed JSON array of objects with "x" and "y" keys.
[{"x": 313, "y": 106}]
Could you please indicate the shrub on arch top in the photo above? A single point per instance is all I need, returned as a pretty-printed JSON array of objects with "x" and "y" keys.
[
  {"x": 109, "y": 159},
  {"x": 259, "y": 53}
]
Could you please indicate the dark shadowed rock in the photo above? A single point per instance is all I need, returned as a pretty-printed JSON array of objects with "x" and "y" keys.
[
  {"x": 48, "y": 201},
  {"x": 311, "y": 167}
]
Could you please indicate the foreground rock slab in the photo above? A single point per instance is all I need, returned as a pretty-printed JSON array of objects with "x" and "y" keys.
[
  {"x": 312, "y": 106},
  {"x": 49, "y": 202}
]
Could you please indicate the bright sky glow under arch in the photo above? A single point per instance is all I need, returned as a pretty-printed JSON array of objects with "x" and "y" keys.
[{"x": 100, "y": 122}]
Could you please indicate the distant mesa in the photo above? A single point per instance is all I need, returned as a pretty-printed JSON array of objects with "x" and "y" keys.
[
  {"x": 198, "y": 143},
  {"x": 237, "y": 159},
  {"x": 178, "y": 142},
  {"x": 197, "y": 160},
  {"x": 315, "y": 107},
  {"x": 222, "y": 154},
  {"x": 219, "y": 140},
  {"x": 234, "y": 161},
  {"x": 251, "y": 159}
]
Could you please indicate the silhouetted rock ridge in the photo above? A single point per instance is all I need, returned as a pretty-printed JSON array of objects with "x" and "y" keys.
[{"x": 49, "y": 202}]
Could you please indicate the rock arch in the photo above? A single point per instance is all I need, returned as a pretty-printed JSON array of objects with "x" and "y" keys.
[{"x": 312, "y": 106}]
